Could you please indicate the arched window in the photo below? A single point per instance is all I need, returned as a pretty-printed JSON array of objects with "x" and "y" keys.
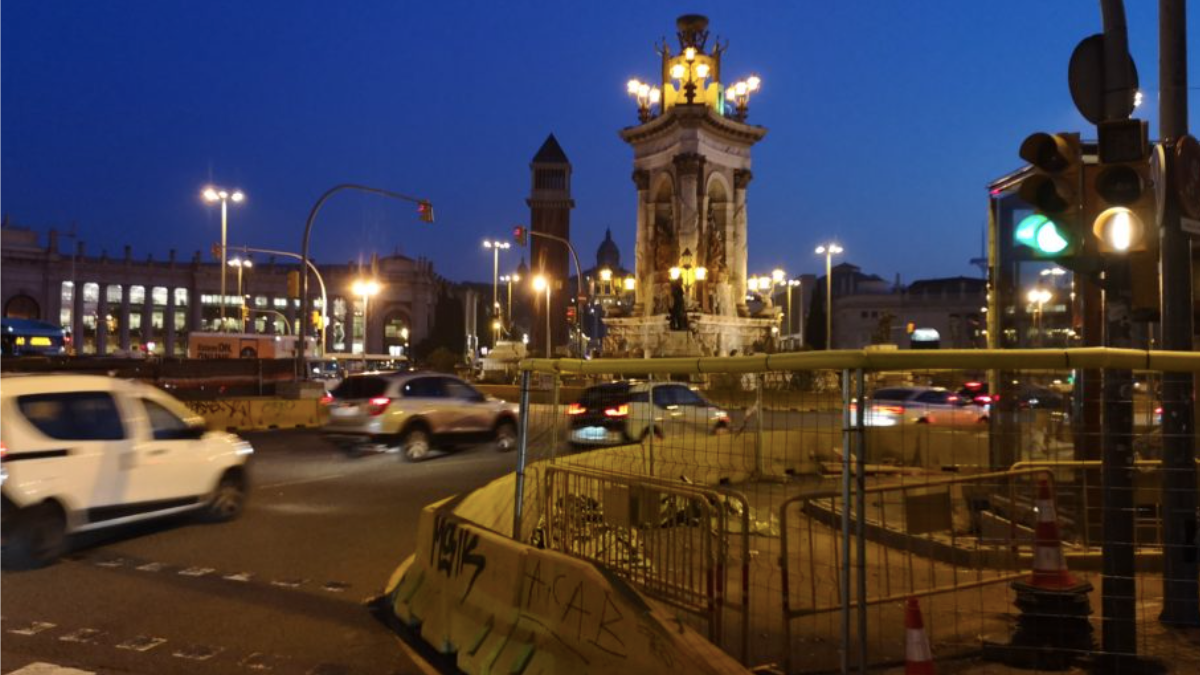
[{"x": 22, "y": 307}]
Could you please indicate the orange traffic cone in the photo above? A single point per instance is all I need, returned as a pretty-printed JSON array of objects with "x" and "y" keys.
[
  {"x": 1049, "y": 565},
  {"x": 918, "y": 658}
]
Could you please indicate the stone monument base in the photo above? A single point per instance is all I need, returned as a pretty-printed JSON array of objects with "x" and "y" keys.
[{"x": 707, "y": 335}]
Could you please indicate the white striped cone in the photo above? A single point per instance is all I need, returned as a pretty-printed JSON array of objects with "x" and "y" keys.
[
  {"x": 1049, "y": 565},
  {"x": 918, "y": 657}
]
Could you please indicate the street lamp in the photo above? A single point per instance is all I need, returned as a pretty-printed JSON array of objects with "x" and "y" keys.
[
  {"x": 829, "y": 250},
  {"x": 541, "y": 283},
  {"x": 510, "y": 279},
  {"x": 240, "y": 264},
  {"x": 738, "y": 94},
  {"x": 1038, "y": 297},
  {"x": 213, "y": 194},
  {"x": 404, "y": 337},
  {"x": 690, "y": 73},
  {"x": 686, "y": 273},
  {"x": 365, "y": 289},
  {"x": 496, "y": 247},
  {"x": 646, "y": 96},
  {"x": 792, "y": 283}
]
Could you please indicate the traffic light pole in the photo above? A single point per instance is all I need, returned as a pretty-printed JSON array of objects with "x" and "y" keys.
[
  {"x": 320, "y": 282},
  {"x": 1181, "y": 597},
  {"x": 1118, "y": 588},
  {"x": 579, "y": 291},
  {"x": 301, "y": 352}
]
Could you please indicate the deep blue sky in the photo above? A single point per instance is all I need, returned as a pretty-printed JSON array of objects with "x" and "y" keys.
[{"x": 886, "y": 119}]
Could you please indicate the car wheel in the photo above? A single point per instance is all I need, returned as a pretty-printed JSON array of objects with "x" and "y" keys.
[
  {"x": 415, "y": 445},
  {"x": 923, "y": 420},
  {"x": 506, "y": 437},
  {"x": 39, "y": 539},
  {"x": 228, "y": 500}
]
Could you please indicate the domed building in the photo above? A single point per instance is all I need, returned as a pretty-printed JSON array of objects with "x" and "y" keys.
[{"x": 609, "y": 288}]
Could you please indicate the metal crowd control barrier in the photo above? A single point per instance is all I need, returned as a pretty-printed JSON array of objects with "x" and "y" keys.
[
  {"x": 859, "y": 515},
  {"x": 671, "y": 540}
]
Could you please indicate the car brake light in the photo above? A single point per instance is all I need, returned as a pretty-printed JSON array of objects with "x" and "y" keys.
[
  {"x": 1158, "y": 410},
  {"x": 952, "y": 399},
  {"x": 973, "y": 385},
  {"x": 618, "y": 411},
  {"x": 891, "y": 409},
  {"x": 377, "y": 405},
  {"x": 575, "y": 409},
  {"x": 3, "y": 451},
  {"x": 327, "y": 399}
]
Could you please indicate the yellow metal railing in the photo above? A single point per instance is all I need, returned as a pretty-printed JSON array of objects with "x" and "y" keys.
[{"x": 979, "y": 359}]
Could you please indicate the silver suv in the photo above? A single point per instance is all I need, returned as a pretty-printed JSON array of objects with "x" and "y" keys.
[{"x": 415, "y": 412}]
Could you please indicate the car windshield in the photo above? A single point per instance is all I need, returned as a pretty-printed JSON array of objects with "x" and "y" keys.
[
  {"x": 605, "y": 394},
  {"x": 360, "y": 387}
]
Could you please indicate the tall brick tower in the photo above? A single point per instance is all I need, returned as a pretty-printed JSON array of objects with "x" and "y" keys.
[{"x": 550, "y": 207}]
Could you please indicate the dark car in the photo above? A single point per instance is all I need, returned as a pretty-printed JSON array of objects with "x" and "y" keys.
[{"x": 617, "y": 413}]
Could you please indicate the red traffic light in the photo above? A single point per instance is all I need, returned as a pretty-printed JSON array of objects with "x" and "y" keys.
[
  {"x": 519, "y": 235},
  {"x": 425, "y": 211}
]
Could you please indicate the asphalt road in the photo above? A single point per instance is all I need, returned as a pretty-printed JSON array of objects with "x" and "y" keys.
[{"x": 279, "y": 591}]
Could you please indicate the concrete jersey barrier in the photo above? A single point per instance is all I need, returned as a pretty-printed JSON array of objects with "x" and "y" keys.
[
  {"x": 502, "y": 606},
  {"x": 254, "y": 414}
]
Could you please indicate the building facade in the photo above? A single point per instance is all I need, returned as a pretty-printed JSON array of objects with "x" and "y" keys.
[{"x": 116, "y": 306}]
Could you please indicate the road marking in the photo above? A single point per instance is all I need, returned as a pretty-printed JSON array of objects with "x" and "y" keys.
[
  {"x": 197, "y": 652},
  {"x": 141, "y": 643},
  {"x": 151, "y": 567},
  {"x": 33, "y": 628},
  {"x": 335, "y": 586},
  {"x": 41, "y": 668},
  {"x": 83, "y": 635},
  {"x": 196, "y": 571},
  {"x": 240, "y": 576},
  {"x": 329, "y": 669},
  {"x": 287, "y": 583},
  {"x": 112, "y": 562}
]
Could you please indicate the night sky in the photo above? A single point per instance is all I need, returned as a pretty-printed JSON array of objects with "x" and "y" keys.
[{"x": 887, "y": 119}]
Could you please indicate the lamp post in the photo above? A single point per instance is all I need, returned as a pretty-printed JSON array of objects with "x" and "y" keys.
[
  {"x": 365, "y": 288},
  {"x": 541, "y": 283},
  {"x": 510, "y": 279},
  {"x": 1038, "y": 297},
  {"x": 791, "y": 283},
  {"x": 241, "y": 264},
  {"x": 496, "y": 247},
  {"x": 738, "y": 94},
  {"x": 690, "y": 74},
  {"x": 214, "y": 194},
  {"x": 646, "y": 96},
  {"x": 829, "y": 250},
  {"x": 686, "y": 273}
]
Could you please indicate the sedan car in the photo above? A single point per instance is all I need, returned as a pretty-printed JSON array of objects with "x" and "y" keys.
[
  {"x": 896, "y": 406},
  {"x": 84, "y": 452},
  {"x": 617, "y": 413},
  {"x": 415, "y": 412}
]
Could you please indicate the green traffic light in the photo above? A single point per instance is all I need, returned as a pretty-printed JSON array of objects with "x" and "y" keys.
[{"x": 1041, "y": 234}]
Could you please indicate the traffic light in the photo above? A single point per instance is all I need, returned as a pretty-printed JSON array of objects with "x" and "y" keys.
[
  {"x": 425, "y": 210},
  {"x": 571, "y": 314},
  {"x": 520, "y": 235},
  {"x": 245, "y": 314},
  {"x": 1120, "y": 202},
  {"x": 1052, "y": 231},
  {"x": 293, "y": 284},
  {"x": 316, "y": 319}
]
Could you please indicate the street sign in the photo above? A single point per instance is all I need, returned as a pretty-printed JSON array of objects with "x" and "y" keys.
[
  {"x": 1187, "y": 176},
  {"x": 1085, "y": 77}
]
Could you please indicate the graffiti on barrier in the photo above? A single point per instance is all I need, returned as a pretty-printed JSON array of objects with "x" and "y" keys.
[
  {"x": 232, "y": 412},
  {"x": 578, "y": 610},
  {"x": 453, "y": 547}
]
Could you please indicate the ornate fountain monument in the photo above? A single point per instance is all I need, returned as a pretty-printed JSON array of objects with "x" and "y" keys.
[{"x": 691, "y": 168}]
